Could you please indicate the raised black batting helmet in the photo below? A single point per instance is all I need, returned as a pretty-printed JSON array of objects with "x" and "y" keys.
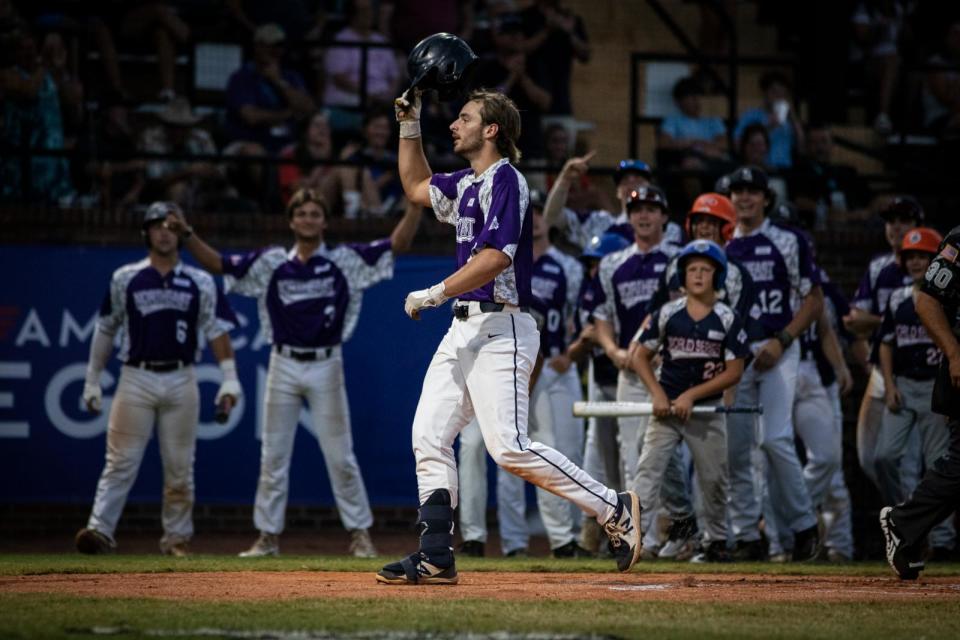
[{"x": 443, "y": 63}]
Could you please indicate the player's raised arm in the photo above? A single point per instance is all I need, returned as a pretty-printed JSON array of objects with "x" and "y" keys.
[
  {"x": 406, "y": 229},
  {"x": 208, "y": 257},
  {"x": 411, "y": 162}
]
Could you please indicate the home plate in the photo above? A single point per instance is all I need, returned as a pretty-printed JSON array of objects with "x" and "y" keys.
[{"x": 642, "y": 587}]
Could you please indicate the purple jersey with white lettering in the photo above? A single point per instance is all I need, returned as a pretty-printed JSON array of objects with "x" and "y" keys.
[
  {"x": 555, "y": 285},
  {"x": 693, "y": 351},
  {"x": 915, "y": 355},
  {"x": 629, "y": 279},
  {"x": 883, "y": 276},
  {"x": 778, "y": 259},
  {"x": 489, "y": 210},
  {"x": 160, "y": 315},
  {"x": 312, "y": 304}
]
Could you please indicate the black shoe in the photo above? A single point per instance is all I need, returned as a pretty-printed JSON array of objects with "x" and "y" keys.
[
  {"x": 91, "y": 541},
  {"x": 681, "y": 541},
  {"x": 417, "y": 569},
  {"x": 905, "y": 562},
  {"x": 571, "y": 550},
  {"x": 749, "y": 551},
  {"x": 472, "y": 548},
  {"x": 806, "y": 544},
  {"x": 623, "y": 531},
  {"x": 715, "y": 551}
]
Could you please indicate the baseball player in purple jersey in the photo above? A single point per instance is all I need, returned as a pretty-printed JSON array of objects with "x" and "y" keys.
[
  {"x": 702, "y": 343},
  {"x": 789, "y": 299},
  {"x": 580, "y": 227},
  {"x": 884, "y": 275},
  {"x": 309, "y": 300},
  {"x": 909, "y": 359},
  {"x": 158, "y": 305},
  {"x": 483, "y": 365}
]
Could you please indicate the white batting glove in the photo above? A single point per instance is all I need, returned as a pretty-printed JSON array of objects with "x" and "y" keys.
[
  {"x": 407, "y": 109},
  {"x": 230, "y": 385},
  {"x": 424, "y": 298},
  {"x": 92, "y": 397}
]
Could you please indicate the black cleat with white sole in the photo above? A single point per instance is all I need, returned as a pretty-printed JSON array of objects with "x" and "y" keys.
[{"x": 906, "y": 562}]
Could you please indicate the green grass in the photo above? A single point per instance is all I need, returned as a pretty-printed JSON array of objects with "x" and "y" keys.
[{"x": 62, "y": 615}]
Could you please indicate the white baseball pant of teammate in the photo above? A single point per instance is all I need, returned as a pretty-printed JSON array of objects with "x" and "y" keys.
[
  {"x": 601, "y": 451},
  {"x": 472, "y": 463},
  {"x": 322, "y": 384},
  {"x": 836, "y": 510},
  {"x": 551, "y": 423},
  {"x": 869, "y": 420},
  {"x": 170, "y": 399}
]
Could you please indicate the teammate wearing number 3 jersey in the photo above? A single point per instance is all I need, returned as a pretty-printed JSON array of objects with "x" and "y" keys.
[
  {"x": 788, "y": 301},
  {"x": 483, "y": 365}
]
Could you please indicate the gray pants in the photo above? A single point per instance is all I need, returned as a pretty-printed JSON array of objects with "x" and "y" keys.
[
  {"x": 674, "y": 497},
  {"x": 706, "y": 438},
  {"x": 893, "y": 440},
  {"x": 144, "y": 398}
]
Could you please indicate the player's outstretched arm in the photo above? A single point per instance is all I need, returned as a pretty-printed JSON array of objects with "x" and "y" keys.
[
  {"x": 406, "y": 229},
  {"x": 411, "y": 162},
  {"x": 572, "y": 171},
  {"x": 208, "y": 257}
]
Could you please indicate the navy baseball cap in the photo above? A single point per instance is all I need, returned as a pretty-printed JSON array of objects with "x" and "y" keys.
[
  {"x": 632, "y": 166},
  {"x": 903, "y": 208},
  {"x": 649, "y": 193},
  {"x": 749, "y": 176}
]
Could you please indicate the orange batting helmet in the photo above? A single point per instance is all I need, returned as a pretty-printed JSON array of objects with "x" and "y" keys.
[{"x": 718, "y": 206}]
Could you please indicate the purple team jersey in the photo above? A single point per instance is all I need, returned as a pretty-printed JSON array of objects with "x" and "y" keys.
[
  {"x": 312, "y": 304},
  {"x": 779, "y": 262},
  {"x": 629, "y": 279},
  {"x": 915, "y": 355},
  {"x": 883, "y": 276},
  {"x": 160, "y": 315},
  {"x": 555, "y": 284},
  {"x": 490, "y": 210}
]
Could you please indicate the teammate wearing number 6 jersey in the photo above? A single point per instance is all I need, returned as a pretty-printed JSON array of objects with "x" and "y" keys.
[
  {"x": 702, "y": 343},
  {"x": 909, "y": 359},
  {"x": 158, "y": 306},
  {"x": 788, "y": 301}
]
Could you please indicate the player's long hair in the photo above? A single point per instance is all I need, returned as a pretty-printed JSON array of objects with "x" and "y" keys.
[
  {"x": 498, "y": 109},
  {"x": 303, "y": 196}
]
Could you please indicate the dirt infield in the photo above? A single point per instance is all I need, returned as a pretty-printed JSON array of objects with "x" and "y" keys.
[{"x": 244, "y": 586}]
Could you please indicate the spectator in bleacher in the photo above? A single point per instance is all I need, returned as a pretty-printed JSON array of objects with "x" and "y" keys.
[
  {"x": 941, "y": 90},
  {"x": 407, "y": 22},
  {"x": 555, "y": 38},
  {"x": 293, "y": 16},
  {"x": 118, "y": 174},
  {"x": 688, "y": 139},
  {"x": 178, "y": 180},
  {"x": 822, "y": 189},
  {"x": 315, "y": 144},
  {"x": 156, "y": 22},
  {"x": 509, "y": 72},
  {"x": 784, "y": 127},
  {"x": 342, "y": 65},
  {"x": 377, "y": 142},
  {"x": 878, "y": 26},
  {"x": 32, "y": 119},
  {"x": 754, "y": 150},
  {"x": 264, "y": 100}
]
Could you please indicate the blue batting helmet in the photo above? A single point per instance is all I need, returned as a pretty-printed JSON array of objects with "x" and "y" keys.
[
  {"x": 704, "y": 249},
  {"x": 600, "y": 246}
]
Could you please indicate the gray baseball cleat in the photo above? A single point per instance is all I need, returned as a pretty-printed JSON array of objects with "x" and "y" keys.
[
  {"x": 361, "y": 546},
  {"x": 623, "y": 531},
  {"x": 268, "y": 544},
  {"x": 92, "y": 542}
]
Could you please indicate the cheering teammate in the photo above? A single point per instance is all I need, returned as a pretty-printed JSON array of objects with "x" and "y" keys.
[
  {"x": 159, "y": 305},
  {"x": 484, "y": 362},
  {"x": 309, "y": 300}
]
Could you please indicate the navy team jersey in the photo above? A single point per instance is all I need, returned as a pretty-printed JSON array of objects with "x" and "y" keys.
[
  {"x": 556, "y": 284},
  {"x": 591, "y": 297},
  {"x": 629, "y": 279},
  {"x": 836, "y": 306},
  {"x": 313, "y": 304},
  {"x": 915, "y": 355},
  {"x": 161, "y": 315},
  {"x": 779, "y": 262},
  {"x": 693, "y": 352},
  {"x": 942, "y": 281},
  {"x": 882, "y": 277},
  {"x": 489, "y": 210}
]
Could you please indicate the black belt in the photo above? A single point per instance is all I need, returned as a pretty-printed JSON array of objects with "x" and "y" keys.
[
  {"x": 462, "y": 311},
  {"x": 303, "y": 355},
  {"x": 157, "y": 366}
]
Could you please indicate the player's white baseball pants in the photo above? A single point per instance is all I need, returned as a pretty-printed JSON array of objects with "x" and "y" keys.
[
  {"x": 835, "y": 509},
  {"x": 601, "y": 453},
  {"x": 482, "y": 368},
  {"x": 321, "y": 384},
  {"x": 774, "y": 389},
  {"x": 706, "y": 439},
  {"x": 814, "y": 421},
  {"x": 895, "y": 431},
  {"x": 673, "y": 492},
  {"x": 473, "y": 484},
  {"x": 172, "y": 401},
  {"x": 551, "y": 423}
]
